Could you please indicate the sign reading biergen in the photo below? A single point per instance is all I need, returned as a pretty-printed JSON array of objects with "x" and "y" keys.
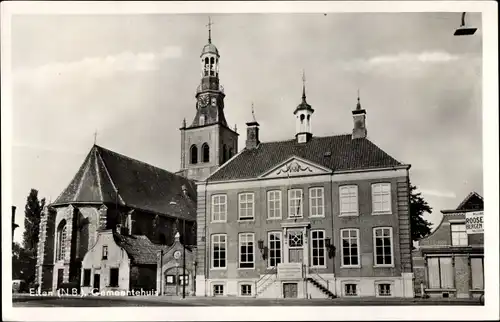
[{"x": 474, "y": 222}]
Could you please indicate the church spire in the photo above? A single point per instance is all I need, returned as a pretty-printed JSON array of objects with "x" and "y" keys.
[
  {"x": 303, "y": 86},
  {"x": 209, "y": 25}
]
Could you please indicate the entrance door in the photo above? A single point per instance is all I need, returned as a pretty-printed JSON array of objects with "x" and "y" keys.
[
  {"x": 60, "y": 275},
  {"x": 97, "y": 282},
  {"x": 295, "y": 245},
  {"x": 290, "y": 290}
]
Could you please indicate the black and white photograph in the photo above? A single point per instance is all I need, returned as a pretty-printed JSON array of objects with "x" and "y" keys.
[{"x": 220, "y": 160}]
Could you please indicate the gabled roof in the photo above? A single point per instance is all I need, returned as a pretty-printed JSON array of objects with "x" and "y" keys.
[
  {"x": 109, "y": 177},
  {"x": 473, "y": 201},
  {"x": 139, "y": 248},
  {"x": 336, "y": 153}
]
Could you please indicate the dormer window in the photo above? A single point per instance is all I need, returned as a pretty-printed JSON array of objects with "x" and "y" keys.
[{"x": 202, "y": 120}]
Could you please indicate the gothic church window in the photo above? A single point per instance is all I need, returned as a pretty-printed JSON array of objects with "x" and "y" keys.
[
  {"x": 61, "y": 241},
  {"x": 206, "y": 152},
  {"x": 224, "y": 153},
  {"x": 194, "y": 154}
]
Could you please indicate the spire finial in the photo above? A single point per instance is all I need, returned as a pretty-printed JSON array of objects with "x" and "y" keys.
[
  {"x": 253, "y": 113},
  {"x": 209, "y": 25},
  {"x": 358, "y": 106},
  {"x": 95, "y": 137},
  {"x": 303, "y": 85}
]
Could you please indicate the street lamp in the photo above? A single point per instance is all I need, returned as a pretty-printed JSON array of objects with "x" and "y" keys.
[{"x": 463, "y": 30}]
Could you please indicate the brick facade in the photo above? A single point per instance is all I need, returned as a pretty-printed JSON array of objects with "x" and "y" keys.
[{"x": 332, "y": 275}]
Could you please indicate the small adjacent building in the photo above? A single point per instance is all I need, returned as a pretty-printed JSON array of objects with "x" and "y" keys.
[
  {"x": 120, "y": 263},
  {"x": 450, "y": 261},
  {"x": 176, "y": 267}
]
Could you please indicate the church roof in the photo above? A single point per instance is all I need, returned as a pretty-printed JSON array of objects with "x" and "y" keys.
[
  {"x": 139, "y": 248},
  {"x": 108, "y": 177},
  {"x": 337, "y": 153}
]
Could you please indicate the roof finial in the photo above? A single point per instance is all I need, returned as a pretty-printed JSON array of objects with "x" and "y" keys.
[
  {"x": 95, "y": 137},
  {"x": 209, "y": 25},
  {"x": 303, "y": 85},
  {"x": 253, "y": 113},
  {"x": 358, "y": 106}
]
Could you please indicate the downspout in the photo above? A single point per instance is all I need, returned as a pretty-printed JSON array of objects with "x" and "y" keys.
[
  {"x": 206, "y": 241},
  {"x": 333, "y": 234}
]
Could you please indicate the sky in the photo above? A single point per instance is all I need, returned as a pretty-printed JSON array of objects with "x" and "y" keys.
[{"x": 132, "y": 79}]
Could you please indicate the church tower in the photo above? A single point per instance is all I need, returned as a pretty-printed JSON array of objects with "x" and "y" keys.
[{"x": 207, "y": 142}]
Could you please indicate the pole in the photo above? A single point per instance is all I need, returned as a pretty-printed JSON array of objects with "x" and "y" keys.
[
  {"x": 161, "y": 272},
  {"x": 184, "y": 258}
]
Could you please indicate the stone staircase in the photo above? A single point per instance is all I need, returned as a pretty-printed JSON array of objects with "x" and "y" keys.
[{"x": 322, "y": 288}]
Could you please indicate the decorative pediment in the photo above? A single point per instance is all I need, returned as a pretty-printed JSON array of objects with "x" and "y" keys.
[{"x": 295, "y": 166}]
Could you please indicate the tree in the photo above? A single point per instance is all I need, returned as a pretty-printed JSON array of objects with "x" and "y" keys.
[
  {"x": 420, "y": 227},
  {"x": 27, "y": 254},
  {"x": 32, "y": 214}
]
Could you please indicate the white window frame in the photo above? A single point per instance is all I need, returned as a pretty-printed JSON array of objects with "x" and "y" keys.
[
  {"x": 222, "y": 286},
  {"x": 252, "y": 203},
  {"x": 463, "y": 238},
  {"x": 320, "y": 205},
  {"x": 276, "y": 233},
  {"x": 212, "y": 250},
  {"x": 247, "y": 238},
  {"x": 344, "y": 286},
  {"x": 219, "y": 200},
  {"x": 301, "y": 204},
  {"x": 348, "y": 195},
  {"x": 391, "y": 238},
  {"x": 248, "y": 285},
  {"x": 391, "y": 289},
  {"x": 440, "y": 272},
  {"x": 273, "y": 197},
  {"x": 342, "y": 265},
  {"x": 324, "y": 247},
  {"x": 382, "y": 193}
]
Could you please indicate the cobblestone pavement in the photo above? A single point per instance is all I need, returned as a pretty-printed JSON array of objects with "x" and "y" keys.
[{"x": 98, "y": 301}]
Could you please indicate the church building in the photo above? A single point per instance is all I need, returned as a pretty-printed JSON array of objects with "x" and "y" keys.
[
  {"x": 309, "y": 217},
  {"x": 105, "y": 229}
]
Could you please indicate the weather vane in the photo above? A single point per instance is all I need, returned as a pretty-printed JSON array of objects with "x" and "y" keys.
[{"x": 209, "y": 25}]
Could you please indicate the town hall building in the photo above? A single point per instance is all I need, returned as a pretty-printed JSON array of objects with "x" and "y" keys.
[{"x": 309, "y": 217}]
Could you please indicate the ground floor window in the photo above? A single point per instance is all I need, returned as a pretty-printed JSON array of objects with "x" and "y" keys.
[
  {"x": 246, "y": 289},
  {"x": 218, "y": 289},
  {"x": 350, "y": 289},
  {"x": 113, "y": 277},
  {"x": 477, "y": 273},
  {"x": 440, "y": 272},
  {"x": 384, "y": 289},
  {"x": 86, "y": 277},
  {"x": 170, "y": 279},
  {"x": 183, "y": 279}
]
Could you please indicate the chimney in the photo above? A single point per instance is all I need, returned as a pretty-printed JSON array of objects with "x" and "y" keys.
[
  {"x": 185, "y": 191},
  {"x": 359, "y": 117},
  {"x": 252, "y": 135},
  {"x": 13, "y": 214},
  {"x": 129, "y": 222}
]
